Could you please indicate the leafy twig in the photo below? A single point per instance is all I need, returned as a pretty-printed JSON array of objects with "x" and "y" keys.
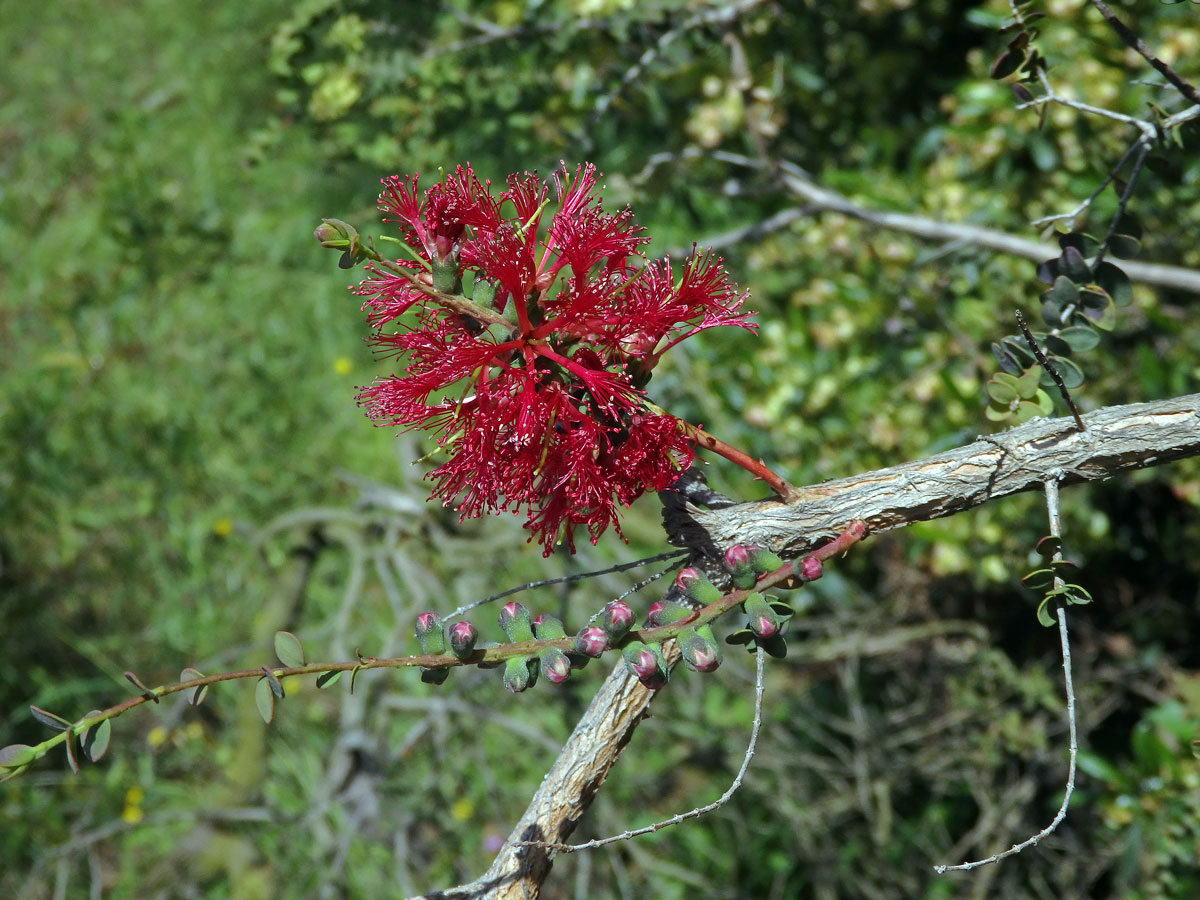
[{"x": 1051, "y": 370}]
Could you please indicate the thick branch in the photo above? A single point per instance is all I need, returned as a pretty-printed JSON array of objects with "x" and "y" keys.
[
  {"x": 567, "y": 790},
  {"x": 1117, "y": 439}
]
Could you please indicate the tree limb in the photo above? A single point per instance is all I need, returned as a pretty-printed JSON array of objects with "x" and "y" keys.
[{"x": 1117, "y": 439}]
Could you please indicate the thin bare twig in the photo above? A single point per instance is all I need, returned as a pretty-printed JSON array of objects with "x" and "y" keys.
[
  {"x": 530, "y": 585},
  {"x": 699, "y": 810},
  {"x": 1184, "y": 87},
  {"x": 1052, "y": 510},
  {"x": 1051, "y": 370}
]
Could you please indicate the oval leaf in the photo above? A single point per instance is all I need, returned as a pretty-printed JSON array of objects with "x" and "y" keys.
[
  {"x": 1048, "y": 546},
  {"x": 1007, "y": 63},
  {"x": 276, "y": 687},
  {"x": 1045, "y": 613},
  {"x": 264, "y": 699},
  {"x": 289, "y": 649},
  {"x": 1116, "y": 282},
  {"x": 198, "y": 695},
  {"x": 58, "y": 723},
  {"x": 1038, "y": 579},
  {"x": 1080, "y": 338},
  {"x": 94, "y": 740},
  {"x": 325, "y": 679},
  {"x": 14, "y": 756},
  {"x": 1124, "y": 246},
  {"x": 72, "y": 758}
]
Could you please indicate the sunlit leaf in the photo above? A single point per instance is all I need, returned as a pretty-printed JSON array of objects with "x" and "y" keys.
[
  {"x": 264, "y": 699},
  {"x": 289, "y": 649}
]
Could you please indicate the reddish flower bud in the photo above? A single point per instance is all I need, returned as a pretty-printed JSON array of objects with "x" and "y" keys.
[
  {"x": 462, "y": 639},
  {"x": 664, "y": 613},
  {"x": 647, "y": 663},
  {"x": 514, "y": 620},
  {"x": 807, "y": 569},
  {"x": 763, "y": 620},
  {"x": 693, "y": 583},
  {"x": 617, "y": 620},
  {"x": 764, "y": 561},
  {"x": 555, "y": 665},
  {"x": 548, "y": 627},
  {"x": 700, "y": 649},
  {"x": 429, "y": 633},
  {"x": 737, "y": 556},
  {"x": 591, "y": 641}
]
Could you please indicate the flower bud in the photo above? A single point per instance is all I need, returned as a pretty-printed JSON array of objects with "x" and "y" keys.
[
  {"x": 737, "y": 559},
  {"x": 647, "y": 663},
  {"x": 327, "y": 233},
  {"x": 429, "y": 633},
  {"x": 462, "y": 639},
  {"x": 514, "y": 620},
  {"x": 763, "y": 620},
  {"x": 617, "y": 620},
  {"x": 693, "y": 583},
  {"x": 555, "y": 665},
  {"x": 700, "y": 649},
  {"x": 591, "y": 641},
  {"x": 520, "y": 673},
  {"x": 548, "y": 627},
  {"x": 764, "y": 561},
  {"x": 807, "y": 569},
  {"x": 665, "y": 613}
]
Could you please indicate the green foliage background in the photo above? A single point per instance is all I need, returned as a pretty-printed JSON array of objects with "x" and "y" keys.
[{"x": 183, "y": 470}]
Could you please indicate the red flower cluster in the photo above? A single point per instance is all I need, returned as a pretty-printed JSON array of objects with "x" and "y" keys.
[{"x": 533, "y": 385}]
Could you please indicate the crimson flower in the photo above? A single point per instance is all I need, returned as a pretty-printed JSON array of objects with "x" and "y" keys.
[{"x": 531, "y": 380}]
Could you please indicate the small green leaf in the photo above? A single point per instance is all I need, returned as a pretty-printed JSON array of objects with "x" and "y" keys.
[
  {"x": 94, "y": 740},
  {"x": 997, "y": 413},
  {"x": 1073, "y": 265},
  {"x": 1080, "y": 338},
  {"x": 1002, "y": 388},
  {"x": 1043, "y": 402},
  {"x": 354, "y": 676},
  {"x": 741, "y": 636},
  {"x": 198, "y": 695},
  {"x": 1027, "y": 410},
  {"x": 289, "y": 649},
  {"x": 1048, "y": 546},
  {"x": 276, "y": 687},
  {"x": 325, "y": 679},
  {"x": 1007, "y": 63},
  {"x": 1125, "y": 246},
  {"x": 1027, "y": 384},
  {"x": 1068, "y": 370},
  {"x": 264, "y": 699},
  {"x": 1038, "y": 579},
  {"x": 1045, "y": 613},
  {"x": 1077, "y": 595},
  {"x": 14, "y": 756},
  {"x": 72, "y": 757},
  {"x": 137, "y": 683},
  {"x": 1116, "y": 283},
  {"x": 58, "y": 723}
]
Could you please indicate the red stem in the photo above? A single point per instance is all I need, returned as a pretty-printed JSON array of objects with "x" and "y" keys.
[{"x": 755, "y": 467}]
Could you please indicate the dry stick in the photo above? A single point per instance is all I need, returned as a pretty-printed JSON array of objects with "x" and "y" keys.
[
  {"x": 699, "y": 810},
  {"x": 1147, "y": 54},
  {"x": 1052, "y": 510},
  {"x": 530, "y": 585},
  {"x": 1051, "y": 370}
]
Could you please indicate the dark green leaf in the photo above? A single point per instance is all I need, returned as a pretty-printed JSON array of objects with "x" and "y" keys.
[
  {"x": 1116, "y": 283},
  {"x": 1087, "y": 245},
  {"x": 1045, "y": 613},
  {"x": 1073, "y": 265},
  {"x": 58, "y": 723},
  {"x": 1080, "y": 337},
  {"x": 1070, "y": 373},
  {"x": 325, "y": 679},
  {"x": 137, "y": 683},
  {"x": 1007, "y": 63},
  {"x": 1038, "y": 579},
  {"x": 1022, "y": 93},
  {"x": 1048, "y": 546},
  {"x": 1124, "y": 246},
  {"x": 741, "y": 636},
  {"x": 276, "y": 687}
]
